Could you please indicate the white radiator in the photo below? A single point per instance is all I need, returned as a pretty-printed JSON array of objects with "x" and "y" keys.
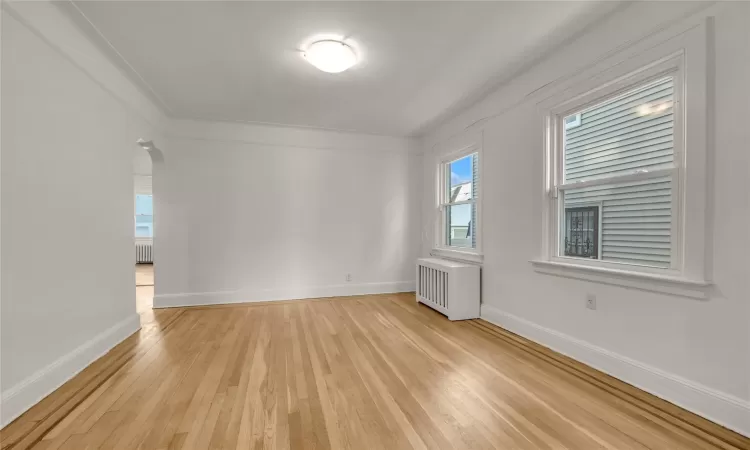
[
  {"x": 144, "y": 253},
  {"x": 449, "y": 287}
]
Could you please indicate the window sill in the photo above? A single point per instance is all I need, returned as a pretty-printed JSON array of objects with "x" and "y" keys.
[
  {"x": 626, "y": 278},
  {"x": 457, "y": 255}
]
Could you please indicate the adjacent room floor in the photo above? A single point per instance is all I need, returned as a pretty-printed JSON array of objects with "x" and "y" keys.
[
  {"x": 144, "y": 288},
  {"x": 378, "y": 372}
]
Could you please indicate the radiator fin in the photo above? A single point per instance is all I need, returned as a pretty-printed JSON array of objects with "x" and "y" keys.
[{"x": 144, "y": 253}]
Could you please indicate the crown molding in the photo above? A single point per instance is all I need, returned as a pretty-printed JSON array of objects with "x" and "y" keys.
[
  {"x": 287, "y": 136},
  {"x": 52, "y": 22}
]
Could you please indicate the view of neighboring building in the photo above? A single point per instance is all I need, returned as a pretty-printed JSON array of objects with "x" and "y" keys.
[
  {"x": 460, "y": 220},
  {"x": 626, "y": 222}
]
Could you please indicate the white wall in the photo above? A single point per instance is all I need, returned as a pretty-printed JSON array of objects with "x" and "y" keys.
[
  {"x": 265, "y": 213},
  {"x": 141, "y": 162},
  {"x": 68, "y": 291},
  {"x": 693, "y": 352},
  {"x": 142, "y": 168},
  {"x": 256, "y": 213}
]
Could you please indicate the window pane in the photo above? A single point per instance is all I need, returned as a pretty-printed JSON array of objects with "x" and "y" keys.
[
  {"x": 144, "y": 216},
  {"x": 459, "y": 229},
  {"x": 581, "y": 232},
  {"x": 636, "y": 222},
  {"x": 634, "y": 131},
  {"x": 461, "y": 179},
  {"x": 144, "y": 204},
  {"x": 144, "y": 226}
]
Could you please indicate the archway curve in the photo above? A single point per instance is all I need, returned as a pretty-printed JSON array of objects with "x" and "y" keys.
[{"x": 157, "y": 157}]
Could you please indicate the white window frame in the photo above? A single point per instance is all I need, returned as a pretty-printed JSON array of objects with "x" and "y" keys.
[
  {"x": 688, "y": 274},
  {"x": 669, "y": 68},
  {"x": 441, "y": 247}
]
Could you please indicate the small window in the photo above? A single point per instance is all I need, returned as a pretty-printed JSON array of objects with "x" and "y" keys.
[
  {"x": 572, "y": 121},
  {"x": 458, "y": 202},
  {"x": 144, "y": 216},
  {"x": 581, "y": 233}
]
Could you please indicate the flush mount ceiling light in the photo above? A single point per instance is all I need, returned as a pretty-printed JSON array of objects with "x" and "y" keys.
[{"x": 330, "y": 55}]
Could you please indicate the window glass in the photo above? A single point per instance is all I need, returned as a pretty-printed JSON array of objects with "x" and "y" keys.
[
  {"x": 460, "y": 202},
  {"x": 581, "y": 232},
  {"x": 459, "y": 225},
  {"x": 636, "y": 222},
  {"x": 624, "y": 222},
  {"x": 144, "y": 216},
  {"x": 461, "y": 179},
  {"x": 144, "y": 205},
  {"x": 631, "y": 132}
]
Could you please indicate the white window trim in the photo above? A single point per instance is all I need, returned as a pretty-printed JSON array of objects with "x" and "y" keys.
[
  {"x": 672, "y": 66},
  {"x": 688, "y": 275},
  {"x": 440, "y": 248},
  {"x": 626, "y": 278}
]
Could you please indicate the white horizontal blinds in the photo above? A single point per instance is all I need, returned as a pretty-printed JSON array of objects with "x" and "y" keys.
[
  {"x": 631, "y": 132},
  {"x": 636, "y": 220}
]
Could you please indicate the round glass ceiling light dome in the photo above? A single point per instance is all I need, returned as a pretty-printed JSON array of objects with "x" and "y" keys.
[{"x": 330, "y": 56}]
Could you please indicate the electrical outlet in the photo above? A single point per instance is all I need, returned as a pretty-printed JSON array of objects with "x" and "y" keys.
[
  {"x": 348, "y": 277},
  {"x": 590, "y": 301}
]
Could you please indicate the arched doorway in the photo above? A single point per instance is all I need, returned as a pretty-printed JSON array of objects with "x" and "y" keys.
[{"x": 146, "y": 164}]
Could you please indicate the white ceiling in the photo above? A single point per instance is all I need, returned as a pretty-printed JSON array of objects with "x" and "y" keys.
[{"x": 239, "y": 61}]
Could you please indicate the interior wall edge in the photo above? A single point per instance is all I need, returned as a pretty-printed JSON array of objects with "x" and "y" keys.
[
  {"x": 50, "y": 24},
  {"x": 270, "y": 295},
  {"x": 725, "y": 409},
  {"x": 288, "y": 136},
  {"x": 540, "y": 80}
]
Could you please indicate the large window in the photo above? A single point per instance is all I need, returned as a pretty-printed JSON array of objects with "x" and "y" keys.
[
  {"x": 144, "y": 216},
  {"x": 626, "y": 164},
  {"x": 459, "y": 210},
  {"x": 621, "y": 155},
  {"x": 618, "y": 176}
]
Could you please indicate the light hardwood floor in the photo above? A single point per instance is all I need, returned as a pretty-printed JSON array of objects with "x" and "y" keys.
[
  {"x": 144, "y": 289},
  {"x": 144, "y": 274},
  {"x": 379, "y": 372}
]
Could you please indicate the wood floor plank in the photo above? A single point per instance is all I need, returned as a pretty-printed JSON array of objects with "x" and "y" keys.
[{"x": 367, "y": 372}]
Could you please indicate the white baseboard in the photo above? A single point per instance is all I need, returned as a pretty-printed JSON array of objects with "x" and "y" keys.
[
  {"x": 265, "y": 295},
  {"x": 727, "y": 410},
  {"x": 19, "y": 398}
]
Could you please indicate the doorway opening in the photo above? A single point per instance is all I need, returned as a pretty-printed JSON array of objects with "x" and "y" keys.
[
  {"x": 144, "y": 244},
  {"x": 146, "y": 158}
]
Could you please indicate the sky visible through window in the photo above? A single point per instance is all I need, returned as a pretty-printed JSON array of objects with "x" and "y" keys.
[
  {"x": 144, "y": 204},
  {"x": 144, "y": 216},
  {"x": 461, "y": 171},
  {"x": 460, "y": 215}
]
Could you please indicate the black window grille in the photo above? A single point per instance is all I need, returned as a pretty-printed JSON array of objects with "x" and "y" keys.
[{"x": 582, "y": 232}]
